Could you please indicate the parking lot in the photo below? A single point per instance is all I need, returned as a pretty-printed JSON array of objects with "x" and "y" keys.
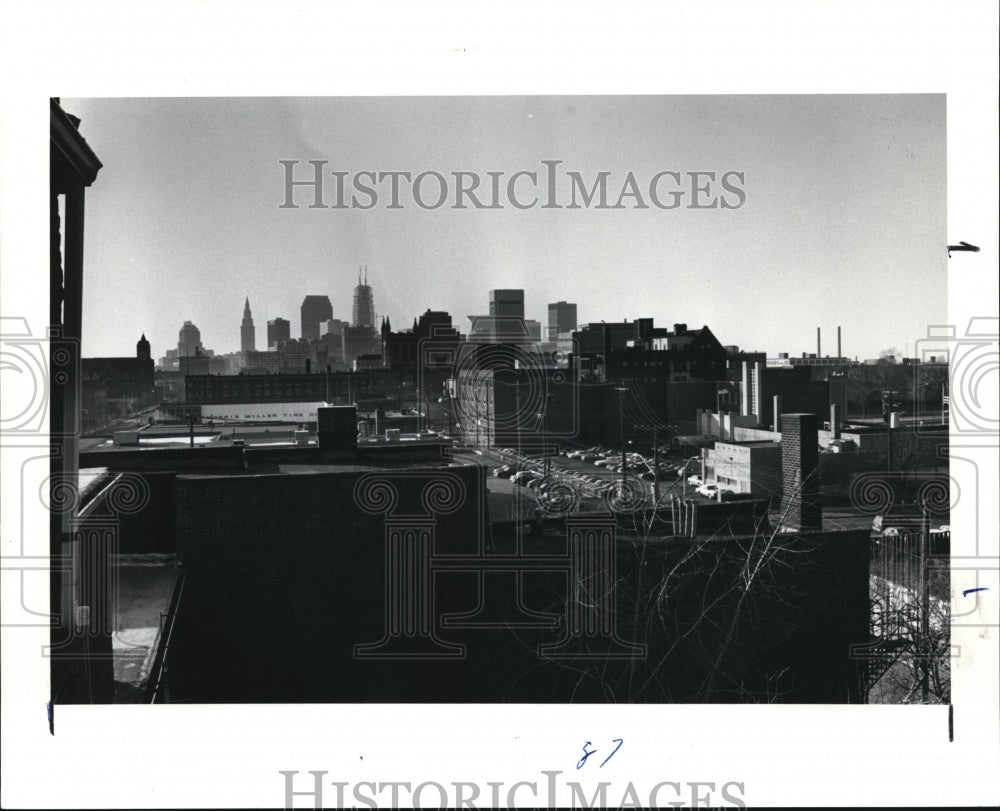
[{"x": 523, "y": 472}]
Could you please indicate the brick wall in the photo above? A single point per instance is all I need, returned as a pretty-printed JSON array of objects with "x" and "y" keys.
[{"x": 799, "y": 471}]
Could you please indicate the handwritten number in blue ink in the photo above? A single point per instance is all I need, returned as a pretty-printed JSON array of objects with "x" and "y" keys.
[
  {"x": 619, "y": 742},
  {"x": 588, "y": 752}
]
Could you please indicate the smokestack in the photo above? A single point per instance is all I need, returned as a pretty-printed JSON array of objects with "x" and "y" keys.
[
  {"x": 835, "y": 421},
  {"x": 819, "y": 351},
  {"x": 838, "y": 343},
  {"x": 777, "y": 412}
]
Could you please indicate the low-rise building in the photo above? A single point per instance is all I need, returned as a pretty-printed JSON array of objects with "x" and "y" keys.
[{"x": 745, "y": 467}]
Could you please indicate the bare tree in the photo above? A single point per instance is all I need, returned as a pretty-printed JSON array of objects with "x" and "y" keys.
[
  {"x": 912, "y": 620},
  {"x": 720, "y": 615}
]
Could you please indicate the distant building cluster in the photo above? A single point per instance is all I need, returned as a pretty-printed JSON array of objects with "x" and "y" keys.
[{"x": 506, "y": 379}]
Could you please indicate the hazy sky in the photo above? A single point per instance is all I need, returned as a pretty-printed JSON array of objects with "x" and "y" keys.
[{"x": 843, "y": 221}]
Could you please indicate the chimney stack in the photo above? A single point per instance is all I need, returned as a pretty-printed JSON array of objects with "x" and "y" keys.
[
  {"x": 800, "y": 501},
  {"x": 777, "y": 412},
  {"x": 838, "y": 343},
  {"x": 819, "y": 351}
]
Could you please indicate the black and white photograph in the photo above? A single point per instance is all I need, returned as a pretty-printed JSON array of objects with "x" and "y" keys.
[
  {"x": 471, "y": 401},
  {"x": 435, "y": 416}
]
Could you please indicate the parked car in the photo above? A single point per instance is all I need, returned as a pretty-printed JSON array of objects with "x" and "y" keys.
[
  {"x": 525, "y": 476},
  {"x": 708, "y": 490},
  {"x": 695, "y": 480}
]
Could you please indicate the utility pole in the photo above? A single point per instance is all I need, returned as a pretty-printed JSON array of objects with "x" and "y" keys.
[
  {"x": 621, "y": 428},
  {"x": 656, "y": 472}
]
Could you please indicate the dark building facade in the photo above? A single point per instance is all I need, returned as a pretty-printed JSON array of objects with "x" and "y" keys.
[
  {"x": 805, "y": 389},
  {"x": 640, "y": 351},
  {"x": 394, "y": 581},
  {"x": 562, "y": 318},
  {"x": 277, "y": 388},
  {"x": 431, "y": 336},
  {"x": 359, "y": 341},
  {"x": 315, "y": 310},
  {"x": 278, "y": 329},
  {"x": 112, "y": 386},
  {"x": 79, "y": 601}
]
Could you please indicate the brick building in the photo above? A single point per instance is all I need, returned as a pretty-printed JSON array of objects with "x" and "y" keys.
[
  {"x": 115, "y": 386},
  {"x": 277, "y": 388},
  {"x": 800, "y": 504}
]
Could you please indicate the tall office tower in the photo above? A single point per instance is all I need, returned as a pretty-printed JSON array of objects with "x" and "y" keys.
[
  {"x": 507, "y": 311},
  {"x": 247, "y": 332},
  {"x": 562, "y": 318},
  {"x": 278, "y": 329},
  {"x": 507, "y": 303},
  {"x": 315, "y": 310},
  {"x": 363, "y": 313},
  {"x": 189, "y": 341},
  {"x": 332, "y": 327}
]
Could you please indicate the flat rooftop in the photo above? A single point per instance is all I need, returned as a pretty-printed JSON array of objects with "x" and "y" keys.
[
  {"x": 146, "y": 585},
  {"x": 750, "y": 443}
]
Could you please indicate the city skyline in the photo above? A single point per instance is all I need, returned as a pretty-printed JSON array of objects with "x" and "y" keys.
[{"x": 819, "y": 220}]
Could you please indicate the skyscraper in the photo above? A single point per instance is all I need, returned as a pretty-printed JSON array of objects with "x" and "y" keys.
[
  {"x": 189, "y": 341},
  {"x": 315, "y": 310},
  {"x": 363, "y": 313},
  {"x": 278, "y": 329},
  {"x": 507, "y": 303},
  {"x": 562, "y": 318},
  {"x": 507, "y": 310},
  {"x": 247, "y": 340}
]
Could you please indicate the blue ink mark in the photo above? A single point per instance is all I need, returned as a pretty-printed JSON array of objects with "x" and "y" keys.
[
  {"x": 967, "y": 592},
  {"x": 51, "y": 716},
  {"x": 614, "y": 740},
  {"x": 586, "y": 754}
]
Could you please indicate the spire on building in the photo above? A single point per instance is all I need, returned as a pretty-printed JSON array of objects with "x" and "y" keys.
[{"x": 248, "y": 341}]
